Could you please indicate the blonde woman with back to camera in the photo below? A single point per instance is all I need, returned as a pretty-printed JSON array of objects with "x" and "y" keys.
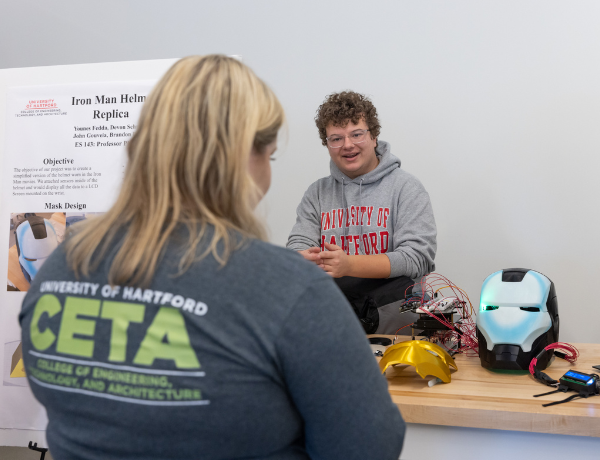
[{"x": 168, "y": 328}]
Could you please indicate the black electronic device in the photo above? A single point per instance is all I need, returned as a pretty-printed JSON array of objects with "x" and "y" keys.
[
  {"x": 585, "y": 385},
  {"x": 431, "y": 323},
  {"x": 436, "y": 318},
  {"x": 580, "y": 382}
]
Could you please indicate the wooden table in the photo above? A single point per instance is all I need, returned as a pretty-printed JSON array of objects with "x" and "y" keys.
[{"x": 480, "y": 398}]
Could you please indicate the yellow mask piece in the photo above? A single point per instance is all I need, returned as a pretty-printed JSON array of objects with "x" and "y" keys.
[{"x": 426, "y": 357}]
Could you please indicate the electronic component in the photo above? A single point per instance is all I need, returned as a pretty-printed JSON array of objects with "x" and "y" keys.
[
  {"x": 445, "y": 305},
  {"x": 443, "y": 319},
  {"x": 585, "y": 385},
  {"x": 580, "y": 382}
]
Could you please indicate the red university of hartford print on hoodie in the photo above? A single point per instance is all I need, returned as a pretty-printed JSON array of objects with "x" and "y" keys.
[{"x": 352, "y": 220}]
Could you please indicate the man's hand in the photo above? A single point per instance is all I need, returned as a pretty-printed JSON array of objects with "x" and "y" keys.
[
  {"x": 313, "y": 255},
  {"x": 335, "y": 261}
]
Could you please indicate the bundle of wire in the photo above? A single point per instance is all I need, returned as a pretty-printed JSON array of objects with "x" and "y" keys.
[
  {"x": 462, "y": 334},
  {"x": 562, "y": 350}
]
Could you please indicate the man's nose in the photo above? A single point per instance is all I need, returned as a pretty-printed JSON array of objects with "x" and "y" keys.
[{"x": 348, "y": 143}]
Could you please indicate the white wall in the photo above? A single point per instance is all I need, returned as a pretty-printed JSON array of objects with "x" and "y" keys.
[{"x": 494, "y": 105}]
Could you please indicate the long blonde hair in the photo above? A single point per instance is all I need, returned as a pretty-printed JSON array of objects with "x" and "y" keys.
[{"x": 188, "y": 163}]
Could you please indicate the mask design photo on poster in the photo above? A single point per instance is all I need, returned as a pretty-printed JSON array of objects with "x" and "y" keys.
[{"x": 32, "y": 238}]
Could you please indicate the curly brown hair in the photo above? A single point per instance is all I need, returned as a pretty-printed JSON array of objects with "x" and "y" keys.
[{"x": 340, "y": 108}]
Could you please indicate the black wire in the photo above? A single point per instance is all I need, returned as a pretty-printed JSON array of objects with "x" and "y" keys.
[
  {"x": 549, "y": 393},
  {"x": 570, "y": 398}
]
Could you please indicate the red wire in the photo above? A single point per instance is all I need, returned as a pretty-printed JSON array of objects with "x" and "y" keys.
[
  {"x": 571, "y": 353},
  {"x": 403, "y": 328},
  {"x": 464, "y": 333}
]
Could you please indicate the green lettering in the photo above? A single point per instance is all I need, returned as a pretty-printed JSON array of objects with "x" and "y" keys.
[
  {"x": 71, "y": 325},
  {"x": 97, "y": 385},
  {"x": 42, "y": 340},
  {"x": 121, "y": 314},
  {"x": 168, "y": 323}
]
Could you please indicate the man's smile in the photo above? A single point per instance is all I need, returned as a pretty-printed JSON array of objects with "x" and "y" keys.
[{"x": 355, "y": 156}]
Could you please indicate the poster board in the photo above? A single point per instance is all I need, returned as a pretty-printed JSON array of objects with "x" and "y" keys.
[{"x": 63, "y": 132}]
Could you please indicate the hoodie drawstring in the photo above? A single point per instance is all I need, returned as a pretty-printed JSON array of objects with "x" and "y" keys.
[
  {"x": 359, "y": 208},
  {"x": 345, "y": 206}
]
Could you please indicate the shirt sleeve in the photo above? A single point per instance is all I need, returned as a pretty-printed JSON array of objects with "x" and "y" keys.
[
  {"x": 306, "y": 232},
  {"x": 415, "y": 234},
  {"x": 335, "y": 382}
]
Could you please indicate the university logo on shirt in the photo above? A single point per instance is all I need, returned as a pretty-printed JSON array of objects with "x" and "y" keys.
[{"x": 355, "y": 217}]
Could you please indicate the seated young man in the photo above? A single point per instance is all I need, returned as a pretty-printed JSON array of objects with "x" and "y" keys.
[{"x": 369, "y": 224}]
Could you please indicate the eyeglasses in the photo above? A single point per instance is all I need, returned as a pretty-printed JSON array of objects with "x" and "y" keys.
[{"x": 335, "y": 141}]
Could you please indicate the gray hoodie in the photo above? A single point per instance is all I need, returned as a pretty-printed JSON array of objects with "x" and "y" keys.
[{"x": 386, "y": 211}]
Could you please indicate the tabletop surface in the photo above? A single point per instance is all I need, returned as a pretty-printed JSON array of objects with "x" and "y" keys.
[{"x": 481, "y": 398}]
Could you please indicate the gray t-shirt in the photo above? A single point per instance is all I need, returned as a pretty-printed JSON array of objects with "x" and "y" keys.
[{"x": 262, "y": 358}]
